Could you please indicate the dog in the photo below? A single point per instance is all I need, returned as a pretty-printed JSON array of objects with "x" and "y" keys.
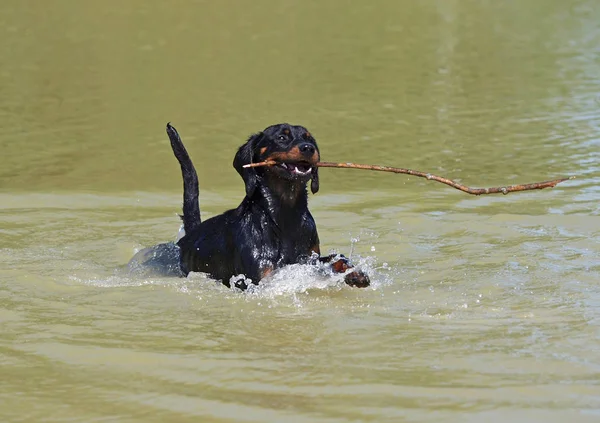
[{"x": 271, "y": 228}]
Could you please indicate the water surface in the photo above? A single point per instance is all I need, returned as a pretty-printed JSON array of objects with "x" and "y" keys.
[{"x": 482, "y": 308}]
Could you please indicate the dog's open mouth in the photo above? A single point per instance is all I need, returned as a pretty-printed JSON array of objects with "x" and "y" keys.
[{"x": 300, "y": 168}]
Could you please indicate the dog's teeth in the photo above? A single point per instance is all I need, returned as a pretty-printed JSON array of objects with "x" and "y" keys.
[
  {"x": 295, "y": 169},
  {"x": 300, "y": 172}
]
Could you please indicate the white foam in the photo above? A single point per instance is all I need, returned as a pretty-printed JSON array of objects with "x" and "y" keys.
[{"x": 301, "y": 278}]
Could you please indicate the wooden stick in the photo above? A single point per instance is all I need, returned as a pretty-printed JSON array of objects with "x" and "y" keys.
[{"x": 475, "y": 191}]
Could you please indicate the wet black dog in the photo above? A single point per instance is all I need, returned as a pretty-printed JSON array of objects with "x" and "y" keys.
[{"x": 271, "y": 228}]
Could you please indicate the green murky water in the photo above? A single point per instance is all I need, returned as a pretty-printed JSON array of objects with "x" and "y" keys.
[{"x": 483, "y": 308}]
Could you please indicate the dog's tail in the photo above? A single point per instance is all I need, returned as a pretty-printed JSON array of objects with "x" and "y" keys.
[{"x": 191, "y": 207}]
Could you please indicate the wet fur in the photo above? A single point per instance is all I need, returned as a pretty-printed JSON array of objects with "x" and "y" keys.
[{"x": 271, "y": 228}]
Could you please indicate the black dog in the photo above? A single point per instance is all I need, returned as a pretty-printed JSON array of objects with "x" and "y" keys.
[{"x": 271, "y": 228}]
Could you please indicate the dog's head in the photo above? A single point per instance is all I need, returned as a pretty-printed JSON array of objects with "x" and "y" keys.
[{"x": 291, "y": 146}]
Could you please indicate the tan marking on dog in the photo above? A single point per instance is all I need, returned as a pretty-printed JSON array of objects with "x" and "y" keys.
[
  {"x": 340, "y": 266},
  {"x": 315, "y": 157},
  {"x": 266, "y": 272},
  {"x": 294, "y": 155}
]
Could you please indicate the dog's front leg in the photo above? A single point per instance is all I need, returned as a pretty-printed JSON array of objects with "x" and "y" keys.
[
  {"x": 242, "y": 281},
  {"x": 340, "y": 264}
]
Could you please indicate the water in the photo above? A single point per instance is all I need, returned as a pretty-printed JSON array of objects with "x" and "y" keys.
[{"x": 482, "y": 308}]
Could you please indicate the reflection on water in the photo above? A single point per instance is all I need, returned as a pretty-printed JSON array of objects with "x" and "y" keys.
[{"x": 482, "y": 308}]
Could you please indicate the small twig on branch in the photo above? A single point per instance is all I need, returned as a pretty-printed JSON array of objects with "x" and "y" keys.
[{"x": 475, "y": 191}]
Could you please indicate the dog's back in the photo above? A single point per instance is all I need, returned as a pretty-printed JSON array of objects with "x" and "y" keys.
[
  {"x": 158, "y": 260},
  {"x": 244, "y": 241}
]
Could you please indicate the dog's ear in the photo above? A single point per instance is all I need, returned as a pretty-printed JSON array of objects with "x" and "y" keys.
[
  {"x": 244, "y": 156},
  {"x": 314, "y": 183}
]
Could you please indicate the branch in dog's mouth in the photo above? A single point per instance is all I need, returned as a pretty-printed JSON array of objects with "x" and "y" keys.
[
  {"x": 296, "y": 168},
  {"x": 475, "y": 191},
  {"x": 260, "y": 164},
  {"x": 299, "y": 168}
]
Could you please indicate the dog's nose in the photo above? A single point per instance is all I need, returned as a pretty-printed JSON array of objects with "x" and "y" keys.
[{"x": 307, "y": 149}]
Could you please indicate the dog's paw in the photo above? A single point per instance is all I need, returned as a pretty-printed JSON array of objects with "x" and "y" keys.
[{"x": 357, "y": 279}]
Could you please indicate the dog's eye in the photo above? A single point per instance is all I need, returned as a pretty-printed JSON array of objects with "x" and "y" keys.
[{"x": 282, "y": 138}]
